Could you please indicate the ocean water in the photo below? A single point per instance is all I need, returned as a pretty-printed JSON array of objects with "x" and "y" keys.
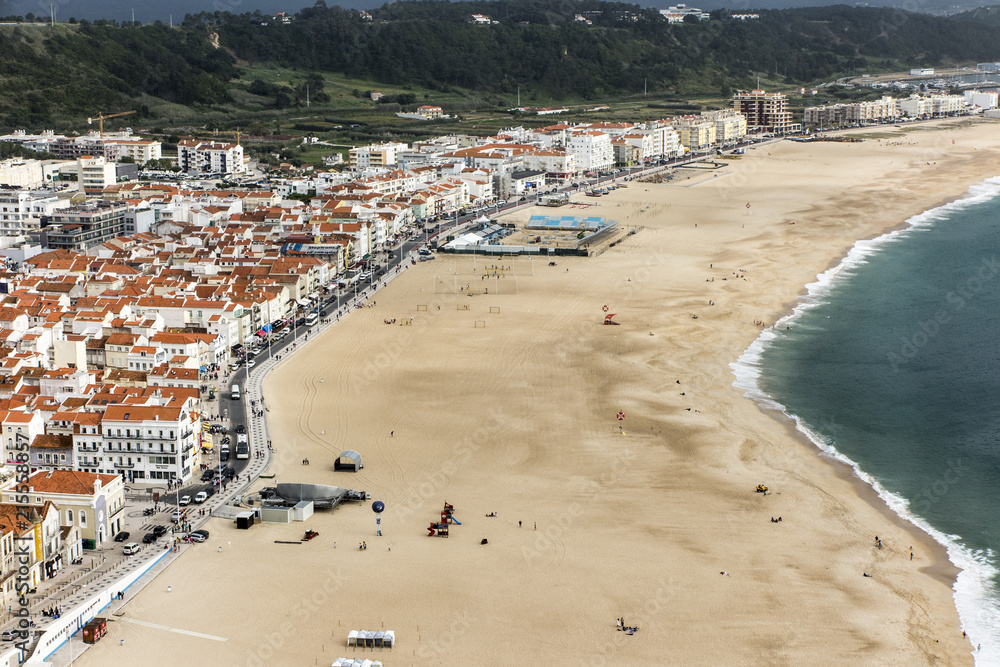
[{"x": 891, "y": 363}]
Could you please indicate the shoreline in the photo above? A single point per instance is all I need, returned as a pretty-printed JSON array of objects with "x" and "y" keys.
[{"x": 943, "y": 569}]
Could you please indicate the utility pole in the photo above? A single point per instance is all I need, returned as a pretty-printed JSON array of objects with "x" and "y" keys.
[{"x": 307, "y": 95}]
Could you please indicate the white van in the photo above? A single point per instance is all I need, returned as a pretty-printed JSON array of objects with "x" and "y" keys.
[
  {"x": 130, "y": 549},
  {"x": 234, "y": 392}
]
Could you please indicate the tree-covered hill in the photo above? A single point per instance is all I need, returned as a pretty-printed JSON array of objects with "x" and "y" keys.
[
  {"x": 530, "y": 45},
  {"x": 542, "y": 43}
]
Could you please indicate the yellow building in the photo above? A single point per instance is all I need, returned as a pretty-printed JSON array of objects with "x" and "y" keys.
[{"x": 695, "y": 132}]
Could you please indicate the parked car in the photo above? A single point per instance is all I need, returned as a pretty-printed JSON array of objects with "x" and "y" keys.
[
  {"x": 196, "y": 537},
  {"x": 207, "y": 475},
  {"x": 201, "y": 497},
  {"x": 202, "y": 533},
  {"x": 10, "y": 635},
  {"x": 185, "y": 500},
  {"x": 130, "y": 549},
  {"x": 122, "y": 536},
  {"x": 251, "y": 363},
  {"x": 159, "y": 531},
  {"x": 148, "y": 538}
]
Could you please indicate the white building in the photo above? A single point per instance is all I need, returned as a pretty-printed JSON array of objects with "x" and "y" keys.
[
  {"x": 376, "y": 155},
  {"x": 932, "y": 105},
  {"x": 94, "y": 173},
  {"x": 209, "y": 157},
  {"x": 666, "y": 140},
  {"x": 676, "y": 14},
  {"x": 18, "y": 173},
  {"x": 146, "y": 443},
  {"x": 982, "y": 99},
  {"x": 140, "y": 150},
  {"x": 21, "y": 212},
  {"x": 591, "y": 149},
  {"x": 555, "y": 162}
]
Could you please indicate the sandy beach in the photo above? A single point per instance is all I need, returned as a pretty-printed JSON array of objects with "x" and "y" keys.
[{"x": 597, "y": 518}]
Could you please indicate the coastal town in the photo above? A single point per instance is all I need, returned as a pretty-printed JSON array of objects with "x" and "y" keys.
[{"x": 135, "y": 302}]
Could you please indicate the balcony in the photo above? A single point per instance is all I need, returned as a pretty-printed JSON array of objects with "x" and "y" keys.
[
  {"x": 166, "y": 438},
  {"x": 124, "y": 465}
]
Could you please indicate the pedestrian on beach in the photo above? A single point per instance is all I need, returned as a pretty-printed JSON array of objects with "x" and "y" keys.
[{"x": 518, "y": 524}]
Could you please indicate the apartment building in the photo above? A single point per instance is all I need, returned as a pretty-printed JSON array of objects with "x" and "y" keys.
[
  {"x": 666, "y": 140},
  {"x": 696, "y": 133},
  {"x": 916, "y": 106},
  {"x": 21, "y": 212},
  {"x": 764, "y": 111},
  {"x": 82, "y": 227},
  {"x": 145, "y": 443},
  {"x": 140, "y": 150},
  {"x": 730, "y": 125},
  {"x": 18, "y": 173},
  {"x": 16, "y": 424},
  {"x": 555, "y": 162},
  {"x": 376, "y": 155},
  {"x": 592, "y": 149},
  {"x": 195, "y": 156},
  {"x": 885, "y": 109},
  {"x": 94, "y": 173}
]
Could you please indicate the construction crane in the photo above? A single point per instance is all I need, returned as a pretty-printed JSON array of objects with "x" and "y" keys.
[{"x": 100, "y": 118}]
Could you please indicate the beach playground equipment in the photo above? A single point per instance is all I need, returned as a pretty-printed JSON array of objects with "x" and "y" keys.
[
  {"x": 761, "y": 489},
  {"x": 447, "y": 517},
  {"x": 439, "y": 529},
  {"x": 608, "y": 320}
]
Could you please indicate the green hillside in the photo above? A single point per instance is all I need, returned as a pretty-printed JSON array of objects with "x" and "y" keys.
[{"x": 221, "y": 69}]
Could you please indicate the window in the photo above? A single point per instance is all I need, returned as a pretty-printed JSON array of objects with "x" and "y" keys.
[
  {"x": 69, "y": 517},
  {"x": 83, "y": 518}
]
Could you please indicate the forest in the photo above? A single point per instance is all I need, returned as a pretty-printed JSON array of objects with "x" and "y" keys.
[{"x": 571, "y": 49}]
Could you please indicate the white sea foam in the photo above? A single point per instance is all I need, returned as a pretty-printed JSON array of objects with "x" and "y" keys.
[{"x": 977, "y": 597}]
